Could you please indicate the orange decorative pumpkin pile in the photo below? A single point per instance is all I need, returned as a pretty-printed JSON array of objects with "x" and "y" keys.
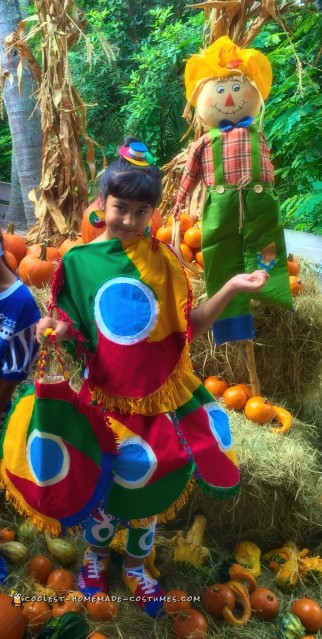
[
  {"x": 36, "y": 614},
  {"x": 14, "y": 243},
  {"x": 10, "y": 260},
  {"x": 60, "y": 581},
  {"x": 264, "y": 603},
  {"x": 7, "y": 534},
  {"x": 259, "y": 410},
  {"x": 176, "y": 600},
  {"x": 100, "y": 608},
  {"x": 61, "y": 607},
  {"x": 309, "y": 613},
  {"x": 215, "y": 385},
  {"x": 296, "y": 285},
  {"x": 12, "y": 621},
  {"x": 292, "y": 265},
  {"x": 52, "y": 253},
  {"x": 68, "y": 244},
  {"x": 36, "y": 270},
  {"x": 164, "y": 234},
  {"x": 40, "y": 567},
  {"x": 189, "y": 624},
  {"x": 235, "y": 397}
]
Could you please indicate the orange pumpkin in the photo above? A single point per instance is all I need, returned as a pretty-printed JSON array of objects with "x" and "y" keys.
[
  {"x": 68, "y": 244},
  {"x": 12, "y": 621},
  {"x": 259, "y": 410},
  {"x": 264, "y": 603},
  {"x": 189, "y": 624},
  {"x": 235, "y": 397},
  {"x": 40, "y": 567},
  {"x": 309, "y": 613},
  {"x": 246, "y": 389},
  {"x": 77, "y": 597},
  {"x": 186, "y": 252},
  {"x": 164, "y": 234},
  {"x": 10, "y": 260},
  {"x": 156, "y": 222},
  {"x": 186, "y": 221},
  {"x": 96, "y": 635},
  {"x": 36, "y": 614},
  {"x": 216, "y": 597},
  {"x": 93, "y": 222},
  {"x": 100, "y": 608},
  {"x": 192, "y": 237},
  {"x": 7, "y": 534},
  {"x": 14, "y": 243},
  {"x": 292, "y": 265},
  {"x": 52, "y": 253},
  {"x": 175, "y": 601},
  {"x": 36, "y": 271},
  {"x": 60, "y": 581},
  {"x": 61, "y": 607},
  {"x": 216, "y": 386},
  {"x": 296, "y": 285},
  {"x": 199, "y": 257}
]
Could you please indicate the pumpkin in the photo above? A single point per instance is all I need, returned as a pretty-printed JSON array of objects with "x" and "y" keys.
[
  {"x": 77, "y": 597},
  {"x": 7, "y": 534},
  {"x": 93, "y": 222},
  {"x": 36, "y": 271},
  {"x": 296, "y": 285},
  {"x": 216, "y": 598},
  {"x": 284, "y": 417},
  {"x": 189, "y": 624},
  {"x": 60, "y": 581},
  {"x": 235, "y": 397},
  {"x": 52, "y": 253},
  {"x": 176, "y": 600},
  {"x": 259, "y": 410},
  {"x": 264, "y": 603},
  {"x": 186, "y": 221},
  {"x": 309, "y": 613},
  {"x": 156, "y": 222},
  {"x": 96, "y": 635},
  {"x": 216, "y": 386},
  {"x": 186, "y": 252},
  {"x": 40, "y": 567},
  {"x": 246, "y": 389},
  {"x": 292, "y": 265},
  {"x": 68, "y": 244},
  {"x": 164, "y": 234},
  {"x": 61, "y": 607},
  {"x": 36, "y": 614},
  {"x": 289, "y": 627},
  {"x": 192, "y": 237},
  {"x": 10, "y": 260},
  {"x": 12, "y": 621},
  {"x": 199, "y": 257},
  {"x": 14, "y": 243},
  {"x": 241, "y": 595},
  {"x": 100, "y": 608}
]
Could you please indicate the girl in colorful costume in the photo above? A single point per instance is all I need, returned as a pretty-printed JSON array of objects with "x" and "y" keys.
[
  {"x": 19, "y": 315},
  {"x": 126, "y": 297}
]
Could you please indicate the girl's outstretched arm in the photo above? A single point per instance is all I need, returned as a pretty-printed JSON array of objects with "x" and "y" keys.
[{"x": 207, "y": 313}]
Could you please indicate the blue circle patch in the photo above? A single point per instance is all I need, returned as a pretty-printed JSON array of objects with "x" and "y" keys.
[
  {"x": 135, "y": 463},
  {"x": 47, "y": 457}
]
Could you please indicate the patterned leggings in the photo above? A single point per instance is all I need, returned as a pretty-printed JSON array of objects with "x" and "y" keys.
[{"x": 101, "y": 527}]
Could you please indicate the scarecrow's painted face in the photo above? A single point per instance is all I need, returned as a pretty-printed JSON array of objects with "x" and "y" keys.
[{"x": 230, "y": 98}]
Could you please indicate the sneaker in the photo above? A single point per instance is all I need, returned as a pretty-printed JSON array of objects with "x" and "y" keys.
[
  {"x": 93, "y": 575},
  {"x": 146, "y": 590}
]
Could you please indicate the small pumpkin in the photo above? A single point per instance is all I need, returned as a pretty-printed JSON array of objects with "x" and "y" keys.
[
  {"x": 235, "y": 397},
  {"x": 52, "y": 253},
  {"x": 186, "y": 221},
  {"x": 96, "y": 635},
  {"x": 156, "y": 222},
  {"x": 264, "y": 603},
  {"x": 77, "y": 597},
  {"x": 296, "y": 285},
  {"x": 12, "y": 621},
  {"x": 7, "y": 534},
  {"x": 60, "y": 608},
  {"x": 259, "y": 410},
  {"x": 93, "y": 222},
  {"x": 199, "y": 257},
  {"x": 192, "y": 237},
  {"x": 36, "y": 271},
  {"x": 215, "y": 385},
  {"x": 10, "y": 260},
  {"x": 60, "y": 581},
  {"x": 14, "y": 243},
  {"x": 100, "y": 608},
  {"x": 186, "y": 252},
  {"x": 292, "y": 265},
  {"x": 68, "y": 244},
  {"x": 309, "y": 613},
  {"x": 176, "y": 600},
  {"x": 189, "y": 624},
  {"x": 40, "y": 567},
  {"x": 216, "y": 598},
  {"x": 36, "y": 614},
  {"x": 164, "y": 234}
]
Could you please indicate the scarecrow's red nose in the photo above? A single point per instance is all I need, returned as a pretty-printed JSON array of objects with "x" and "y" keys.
[{"x": 229, "y": 101}]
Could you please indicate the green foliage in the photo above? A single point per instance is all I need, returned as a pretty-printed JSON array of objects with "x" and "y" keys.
[{"x": 5, "y": 152}]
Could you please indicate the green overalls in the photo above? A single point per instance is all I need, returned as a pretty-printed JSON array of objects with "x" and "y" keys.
[{"x": 242, "y": 231}]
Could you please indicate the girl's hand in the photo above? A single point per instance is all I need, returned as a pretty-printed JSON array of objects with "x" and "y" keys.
[
  {"x": 249, "y": 282},
  {"x": 60, "y": 328}
]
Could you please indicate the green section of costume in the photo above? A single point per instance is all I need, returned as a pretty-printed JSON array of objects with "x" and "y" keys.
[{"x": 238, "y": 226}]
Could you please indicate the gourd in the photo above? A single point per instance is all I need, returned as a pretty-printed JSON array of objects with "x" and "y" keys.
[
  {"x": 259, "y": 410},
  {"x": 241, "y": 595},
  {"x": 287, "y": 576},
  {"x": 12, "y": 622},
  {"x": 243, "y": 575},
  {"x": 36, "y": 271},
  {"x": 284, "y": 417},
  {"x": 289, "y": 627},
  {"x": 14, "y": 243},
  {"x": 14, "y": 551},
  {"x": 71, "y": 625},
  {"x": 62, "y": 550},
  {"x": 27, "y": 530},
  {"x": 190, "y": 548},
  {"x": 248, "y": 555}
]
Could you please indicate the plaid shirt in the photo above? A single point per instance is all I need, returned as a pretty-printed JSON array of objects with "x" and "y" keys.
[{"x": 236, "y": 160}]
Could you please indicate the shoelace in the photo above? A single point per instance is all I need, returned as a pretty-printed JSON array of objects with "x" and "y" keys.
[
  {"x": 94, "y": 566},
  {"x": 147, "y": 583}
]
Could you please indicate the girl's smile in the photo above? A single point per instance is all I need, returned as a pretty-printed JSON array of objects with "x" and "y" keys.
[{"x": 125, "y": 218}]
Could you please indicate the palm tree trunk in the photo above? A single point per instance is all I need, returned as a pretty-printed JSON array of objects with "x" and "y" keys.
[
  {"x": 16, "y": 212},
  {"x": 23, "y": 114}
]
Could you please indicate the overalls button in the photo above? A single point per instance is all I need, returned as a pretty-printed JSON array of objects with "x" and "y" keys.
[
  {"x": 220, "y": 188},
  {"x": 258, "y": 188}
]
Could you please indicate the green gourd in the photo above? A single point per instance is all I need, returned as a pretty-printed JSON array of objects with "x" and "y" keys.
[
  {"x": 71, "y": 625},
  {"x": 289, "y": 627}
]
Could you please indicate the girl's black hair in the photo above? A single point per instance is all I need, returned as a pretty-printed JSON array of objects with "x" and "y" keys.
[{"x": 131, "y": 182}]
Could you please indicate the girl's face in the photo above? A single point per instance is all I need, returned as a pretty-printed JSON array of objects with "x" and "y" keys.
[
  {"x": 125, "y": 219},
  {"x": 230, "y": 98}
]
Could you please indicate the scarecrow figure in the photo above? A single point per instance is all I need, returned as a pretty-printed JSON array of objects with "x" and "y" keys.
[{"x": 241, "y": 225}]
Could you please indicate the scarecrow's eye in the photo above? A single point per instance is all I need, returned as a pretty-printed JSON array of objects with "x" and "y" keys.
[
  {"x": 236, "y": 87},
  {"x": 220, "y": 88}
]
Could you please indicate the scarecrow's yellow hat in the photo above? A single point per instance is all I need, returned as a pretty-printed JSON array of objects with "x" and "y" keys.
[{"x": 224, "y": 58}]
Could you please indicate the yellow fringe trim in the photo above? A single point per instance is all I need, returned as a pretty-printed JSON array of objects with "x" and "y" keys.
[
  {"x": 168, "y": 397},
  {"x": 170, "y": 512},
  {"x": 41, "y": 522}
]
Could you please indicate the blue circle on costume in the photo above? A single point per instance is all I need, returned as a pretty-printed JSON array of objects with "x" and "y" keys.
[
  {"x": 135, "y": 463},
  {"x": 125, "y": 310},
  {"x": 47, "y": 457},
  {"x": 219, "y": 424}
]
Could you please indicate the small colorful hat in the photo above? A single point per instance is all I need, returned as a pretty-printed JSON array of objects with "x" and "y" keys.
[
  {"x": 224, "y": 58},
  {"x": 136, "y": 153}
]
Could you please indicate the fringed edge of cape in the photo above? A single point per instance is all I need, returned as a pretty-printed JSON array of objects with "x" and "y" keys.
[
  {"x": 169, "y": 513},
  {"x": 217, "y": 491}
]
